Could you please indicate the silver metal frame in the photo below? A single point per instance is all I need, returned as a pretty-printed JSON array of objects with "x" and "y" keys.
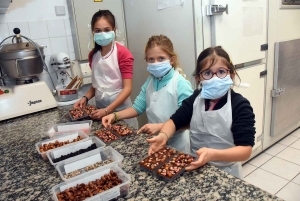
[
  {"x": 283, "y": 125},
  {"x": 275, "y": 81}
]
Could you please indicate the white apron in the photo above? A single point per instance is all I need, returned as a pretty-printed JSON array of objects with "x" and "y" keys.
[
  {"x": 161, "y": 105},
  {"x": 212, "y": 129},
  {"x": 108, "y": 82}
]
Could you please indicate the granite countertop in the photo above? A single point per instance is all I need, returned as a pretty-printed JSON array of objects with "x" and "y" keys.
[{"x": 26, "y": 176}]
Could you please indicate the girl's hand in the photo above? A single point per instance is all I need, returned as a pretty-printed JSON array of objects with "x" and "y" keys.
[
  {"x": 79, "y": 104},
  {"x": 156, "y": 143},
  {"x": 150, "y": 129},
  {"x": 205, "y": 155},
  {"x": 98, "y": 114},
  {"x": 107, "y": 120}
]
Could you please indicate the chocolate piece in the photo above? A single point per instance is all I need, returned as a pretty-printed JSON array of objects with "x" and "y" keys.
[
  {"x": 89, "y": 109},
  {"x": 106, "y": 135},
  {"x": 156, "y": 159},
  {"x": 76, "y": 113},
  {"x": 175, "y": 165},
  {"x": 121, "y": 130}
]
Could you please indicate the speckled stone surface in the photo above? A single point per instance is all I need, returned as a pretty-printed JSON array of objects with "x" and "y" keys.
[{"x": 24, "y": 175}]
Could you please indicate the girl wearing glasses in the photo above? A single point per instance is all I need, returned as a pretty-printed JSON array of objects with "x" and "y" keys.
[
  {"x": 112, "y": 66},
  {"x": 221, "y": 121}
]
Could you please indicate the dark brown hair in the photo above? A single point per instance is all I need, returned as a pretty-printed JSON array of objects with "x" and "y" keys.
[
  {"x": 109, "y": 17},
  {"x": 210, "y": 55}
]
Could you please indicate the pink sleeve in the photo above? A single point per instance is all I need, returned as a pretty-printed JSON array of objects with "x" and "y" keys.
[{"x": 125, "y": 60}]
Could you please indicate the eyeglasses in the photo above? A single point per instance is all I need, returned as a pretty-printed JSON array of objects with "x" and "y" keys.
[{"x": 208, "y": 74}]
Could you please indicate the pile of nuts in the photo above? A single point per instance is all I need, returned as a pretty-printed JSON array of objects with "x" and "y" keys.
[
  {"x": 176, "y": 164},
  {"x": 106, "y": 135},
  {"x": 83, "y": 191},
  {"x": 89, "y": 109},
  {"x": 77, "y": 113},
  {"x": 121, "y": 129},
  {"x": 73, "y": 174},
  {"x": 154, "y": 160},
  {"x": 98, "y": 164},
  {"x": 88, "y": 168},
  {"x": 51, "y": 145}
]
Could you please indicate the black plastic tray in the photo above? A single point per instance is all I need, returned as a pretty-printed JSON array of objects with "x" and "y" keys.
[
  {"x": 122, "y": 136},
  {"x": 159, "y": 165},
  {"x": 167, "y": 179},
  {"x": 119, "y": 137},
  {"x": 80, "y": 118}
]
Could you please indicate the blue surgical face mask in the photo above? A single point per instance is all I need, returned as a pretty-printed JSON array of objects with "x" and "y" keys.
[
  {"x": 104, "y": 38},
  {"x": 215, "y": 87},
  {"x": 159, "y": 69}
]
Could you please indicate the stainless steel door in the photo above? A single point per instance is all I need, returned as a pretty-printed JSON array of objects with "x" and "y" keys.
[{"x": 286, "y": 92}]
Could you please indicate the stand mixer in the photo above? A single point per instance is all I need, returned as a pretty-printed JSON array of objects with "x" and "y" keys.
[
  {"x": 61, "y": 64},
  {"x": 20, "y": 63}
]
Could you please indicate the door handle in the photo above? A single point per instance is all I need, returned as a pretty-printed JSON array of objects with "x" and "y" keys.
[{"x": 216, "y": 10}]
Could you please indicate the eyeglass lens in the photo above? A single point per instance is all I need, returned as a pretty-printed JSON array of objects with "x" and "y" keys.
[{"x": 221, "y": 73}]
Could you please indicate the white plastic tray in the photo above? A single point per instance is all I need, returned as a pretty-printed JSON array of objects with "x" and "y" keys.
[
  {"x": 84, "y": 126},
  {"x": 82, "y": 144},
  {"x": 120, "y": 190},
  {"x": 61, "y": 138},
  {"x": 86, "y": 159}
]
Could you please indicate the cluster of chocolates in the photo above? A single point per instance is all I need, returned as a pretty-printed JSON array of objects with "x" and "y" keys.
[
  {"x": 83, "y": 191},
  {"x": 121, "y": 129},
  {"x": 77, "y": 114},
  {"x": 89, "y": 109},
  {"x": 81, "y": 151},
  {"x": 106, "y": 135},
  {"x": 88, "y": 168},
  {"x": 176, "y": 164},
  {"x": 156, "y": 159},
  {"x": 53, "y": 145}
]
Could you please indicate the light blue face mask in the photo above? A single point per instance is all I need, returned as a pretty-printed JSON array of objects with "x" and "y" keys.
[
  {"x": 215, "y": 87},
  {"x": 104, "y": 38},
  {"x": 159, "y": 69}
]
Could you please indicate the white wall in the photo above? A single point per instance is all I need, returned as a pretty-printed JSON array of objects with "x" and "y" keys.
[
  {"x": 37, "y": 20},
  {"x": 283, "y": 26}
]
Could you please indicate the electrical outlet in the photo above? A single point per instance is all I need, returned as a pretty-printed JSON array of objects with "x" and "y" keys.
[{"x": 85, "y": 70}]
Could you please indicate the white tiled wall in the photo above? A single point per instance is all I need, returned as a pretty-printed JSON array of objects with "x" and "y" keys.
[
  {"x": 39, "y": 22},
  {"x": 52, "y": 33}
]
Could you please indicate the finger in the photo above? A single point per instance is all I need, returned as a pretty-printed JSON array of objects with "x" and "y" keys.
[
  {"x": 199, "y": 152},
  {"x": 196, "y": 164},
  {"x": 104, "y": 122},
  {"x": 151, "y": 140},
  {"x": 141, "y": 129},
  {"x": 109, "y": 120},
  {"x": 150, "y": 151}
]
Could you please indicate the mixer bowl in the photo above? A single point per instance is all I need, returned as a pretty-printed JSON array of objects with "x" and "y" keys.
[{"x": 21, "y": 60}]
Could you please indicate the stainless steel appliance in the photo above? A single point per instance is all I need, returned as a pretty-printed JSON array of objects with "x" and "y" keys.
[{"x": 20, "y": 63}]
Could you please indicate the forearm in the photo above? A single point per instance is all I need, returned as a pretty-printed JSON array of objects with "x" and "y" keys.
[
  {"x": 168, "y": 128},
  {"x": 127, "y": 113},
  {"x": 91, "y": 93},
  {"x": 238, "y": 153}
]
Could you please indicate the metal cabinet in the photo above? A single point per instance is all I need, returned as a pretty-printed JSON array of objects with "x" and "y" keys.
[{"x": 81, "y": 13}]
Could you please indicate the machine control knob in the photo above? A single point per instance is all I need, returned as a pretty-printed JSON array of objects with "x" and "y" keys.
[{"x": 17, "y": 31}]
